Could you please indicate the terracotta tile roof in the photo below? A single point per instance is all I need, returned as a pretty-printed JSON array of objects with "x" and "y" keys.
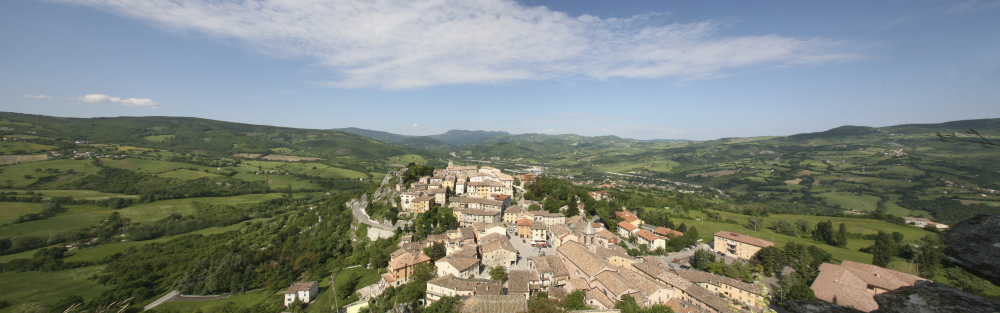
[
  {"x": 615, "y": 283},
  {"x": 578, "y": 284},
  {"x": 744, "y": 239},
  {"x": 641, "y": 282},
  {"x": 681, "y": 306},
  {"x": 460, "y": 284},
  {"x": 518, "y": 281},
  {"x": 388, "y": 278},
  {"x": 604, "y": 233},
  {"x": 300, "y": 286},
  {"x": 644, "y": 234},
  {"x": 630, "y": 220},
  {"x": 408, "y": 259},
  {"x": 549, "y": 264},
  {"x": 587, "y": 261},
  {"x": 514, "y": 209},
  {"x": 628, "y": 227},
  {"x": 467, "y": 232},
  {"x": 596, "y": 294},
  {"x": 849, "y": 283},
  {"x": 663, "y": 231},
  {"x": 524, "y": 222},
  {"x": 498, "y": 304},
  {"x": 607, "y": 254},
  {"x": 494, "y": 245},
  {"x": 706, "y": 277},
  {"x": 469, "y": 251},
  {"x": 559, "y": 230},
  {"x": 460, "y": 263},
  {"x": 539, "y": 226}
]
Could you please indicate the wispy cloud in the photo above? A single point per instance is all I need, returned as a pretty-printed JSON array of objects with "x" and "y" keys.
[
  {"x": 131, "y": 102},
  {"x": 420, "y": 43},
  {"x": 37, "y": 97}
]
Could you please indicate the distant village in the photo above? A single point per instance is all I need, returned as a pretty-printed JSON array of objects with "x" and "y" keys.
[{"x": 548, "y": 252}]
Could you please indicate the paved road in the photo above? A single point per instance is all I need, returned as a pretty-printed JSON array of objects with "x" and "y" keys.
[
  {"x": 682, "y": 255},
  {"x": 358, "y": 207}
]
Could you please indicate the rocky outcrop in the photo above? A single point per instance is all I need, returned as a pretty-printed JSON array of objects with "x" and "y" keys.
[
  {"x": 974, "y": 244},
  {"x": 932, "y": 297},
  {"x": 803, "y": 306}
]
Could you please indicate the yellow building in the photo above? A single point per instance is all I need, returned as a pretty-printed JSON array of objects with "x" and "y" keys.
[{"x": 740, "y": 246}]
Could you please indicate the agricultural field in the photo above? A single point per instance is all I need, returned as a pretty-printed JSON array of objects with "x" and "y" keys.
[
  {"x": 78, "y": 216},
  {"x": 22, "y": 287},
  {"x": 407, "y": 159},
  {"x": 14, "y": 159},
  {"x": 247, "y": 299},
  {"x": 9, "y": 211},
  {"x": 289, "y": 158},
  {"x": 148, "y": 212},
  {"x": 158, "y": 138},
  {"x": 76, "y": 194},
  {"x": 187, "y": 174},
  {"x": 20, "y": 147},
  {"x": 154, "y": 166}
]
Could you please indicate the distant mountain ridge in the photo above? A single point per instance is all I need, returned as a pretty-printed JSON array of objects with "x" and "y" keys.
[{"x": 457, "y": 138}]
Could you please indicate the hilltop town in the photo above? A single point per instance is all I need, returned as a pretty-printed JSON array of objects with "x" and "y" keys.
[{"x": 501, "y": 254}]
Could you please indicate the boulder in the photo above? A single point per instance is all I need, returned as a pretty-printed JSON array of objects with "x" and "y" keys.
[
  {"x": 933, "y": 297},
  {"x": 974, "y": 244},
  {"x": 805, "y": 306}
]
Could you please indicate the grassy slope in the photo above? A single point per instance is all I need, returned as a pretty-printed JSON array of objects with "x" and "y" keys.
[{"x": 27, "y": 286}]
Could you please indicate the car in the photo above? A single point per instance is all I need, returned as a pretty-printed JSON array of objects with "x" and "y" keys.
[
  {"x": 523, "y": 241},
  {"x": 508, "y": 267}
]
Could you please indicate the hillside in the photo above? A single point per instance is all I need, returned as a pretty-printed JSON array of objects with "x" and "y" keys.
[{"x": 419, "y": 142}]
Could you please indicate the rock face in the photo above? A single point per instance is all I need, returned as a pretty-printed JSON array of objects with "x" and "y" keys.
[
  {"x": 974, "y": 244},
  {"x": 930, "y": 297},
  {"x": 803, "y": 306}
]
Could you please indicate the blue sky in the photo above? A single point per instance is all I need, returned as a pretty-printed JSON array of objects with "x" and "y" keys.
[{"x": 638, "y": 69}]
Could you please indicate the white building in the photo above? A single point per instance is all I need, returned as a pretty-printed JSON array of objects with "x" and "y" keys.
[{"x": 303, "y": 291}]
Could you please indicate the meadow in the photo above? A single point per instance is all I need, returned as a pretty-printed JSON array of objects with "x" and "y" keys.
[
  {"x": 79, "y": 216},
  {"x": 24, "y": 287}
]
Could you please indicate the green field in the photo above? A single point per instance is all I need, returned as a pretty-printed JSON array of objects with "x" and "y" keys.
[
  {"x": 8, "y": 147},
  {"x": 368, "y": 277},
  {"x": 79, "y": 216},
  {"x": 76, "y": 194},
  {"x": 24, "y": 287},
  {"x": 310, "y": 169},
  {"x": 9, "y": 211},
  {"x": 187, "y": 174},
  {"x": 158, "y": 138},
  {"x": 153, "y": 166},
  {"x": 16, "y": 172},
  {"x": 149, "y": 212},
  {"x": 849, "y": 201},
  {"x": 707, "y": 229}
]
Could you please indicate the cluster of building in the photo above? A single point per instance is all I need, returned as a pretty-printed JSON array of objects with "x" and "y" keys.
[
  {"x": 922, "y": 222},
  {"x": 653, "y": 237},
  {"x": 482, "y": 190}
]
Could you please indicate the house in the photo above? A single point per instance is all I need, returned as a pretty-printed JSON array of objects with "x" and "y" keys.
[
  {"x": 524, "y": 228},
  {"x": 598, "y": 195},
  {"x": 559, "y": 234},
  {"x": 546, "y": 217},
  {"x": 684, "y": 290},
  {"x": 921, "y": 222},
  {"x": 626, "y": 230},
  {"x": 440, "y": 196},
  {"x": 551, "y": 271},
  {"x": 402, "y": 265},
  {"x": 421, "y": 204},
  {"x": 449, "y": 285},
  {"x": 479, "y": 203},
  {"x": 304, "y": 292},
  {"x": 471, "y": 216},
  {"x": 497, "y": 250},
  {"x": 458, "y": 266},
  {"x": 667, "y": 232},
  {"x": 539, "y": 232},
  {"x": 406, "y": 199},
  {"x": 651, "y": 240},
  {"x": 630, "y": 218},
  {"x": 484, "y": 229},
  {"x": 741, "y": 246},
  {"x": 745, "y": 293},
  {"x": 491, "y": 304},
  {"x": 855, "y": 284},
  {"x": 606, "y": 238},
  {"x": 511, "y": 214},
  {"x": 523, "y": 283}
]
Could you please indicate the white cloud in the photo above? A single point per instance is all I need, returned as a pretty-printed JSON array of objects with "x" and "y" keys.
[
  {"x": 37, "y": 97},
  {"x": 131, "y": 102},
  {"x": 415, "y": 125},
  {"x": 548, "y": 130},
  {"x": 413, "y": 44}
]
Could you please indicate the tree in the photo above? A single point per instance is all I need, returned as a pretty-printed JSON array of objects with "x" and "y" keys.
[
  {"x": 575, "y": 301},
  {"x": 701, "y": 259},
  {"x": 436, "y": 251},
  {"x": 929, "y": 256},
  {"x": 770, "y": 259},
  {"x": 573, "y": 209},
  {"x": 445, "y": 305},
  {"x": 682, "y": 228},
  {"x": 965, "y": 281},
  {"x": 883, "y": 250},
  {"x": 347, "y": 286},
  {"x": 534, "y": 207},
  {"x": 824, "y": 233},
  {"x": 551, "y": 204},
  {"x": 801, "y": 292},
  {"x": 785, "y": 227},
  {"x": 755, "y": 222},
  {"x": 842, "y": 236},
  {"x": 498, "y": 273}
]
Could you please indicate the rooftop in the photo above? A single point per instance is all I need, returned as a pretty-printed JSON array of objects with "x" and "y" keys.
[
  {"x": 495, "y": 303},
  {"x": 301, "y": 286},
  {"x": 744, "y": 239}
]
